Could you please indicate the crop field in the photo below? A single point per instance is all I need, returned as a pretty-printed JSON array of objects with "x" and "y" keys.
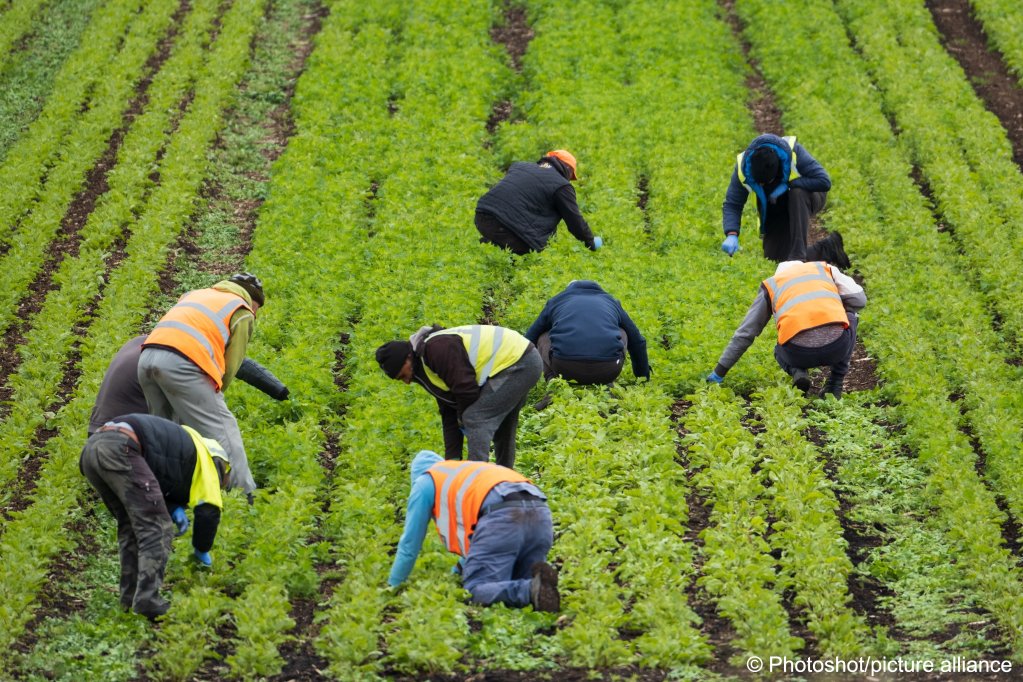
[{"x": 336, "y": 148}]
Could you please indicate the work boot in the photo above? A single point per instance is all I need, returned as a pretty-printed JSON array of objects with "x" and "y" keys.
[
  {"x": 543, "y": 590},
  {"x": 834, "y": 387},
  {"x": 800, "y": 379},
  {"x": 153, "y": 608}
]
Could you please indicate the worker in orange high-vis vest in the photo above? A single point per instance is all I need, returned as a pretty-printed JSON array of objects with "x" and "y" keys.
[
  {"x": 815, "y": 309},
  {"x": 191, "y": 356},
  {"x": 496, "y": 520}
]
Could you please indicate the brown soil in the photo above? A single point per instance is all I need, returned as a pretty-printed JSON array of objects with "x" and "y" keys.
[
  {"x": 514, "y": 34},
  {"x": 718, "y": 631},
  {"x": 964, "y": 38}
]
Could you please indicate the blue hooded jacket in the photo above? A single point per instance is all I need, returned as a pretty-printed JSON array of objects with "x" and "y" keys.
[{"x": 812, "y": 178}]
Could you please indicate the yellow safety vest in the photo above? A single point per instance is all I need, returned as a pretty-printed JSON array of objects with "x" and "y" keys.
[
  {"x": 803, "y": 297},
  {"x": 205, "y": 480},
  {"x": 491, "y": 349},
  {"x": 793, "y": 173}
]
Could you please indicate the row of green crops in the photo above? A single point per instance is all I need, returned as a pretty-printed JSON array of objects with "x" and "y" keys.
[
  {"x": 15, "y": 22},
  {"x": 957, "y": 144},
  {"x": 33, "y": 536},
  {"x": 1003, "y": 23},
  {"x": 46, "y": 346},
  {"x": 924, "y": 315},
  {"x": 85, "y": 104}
]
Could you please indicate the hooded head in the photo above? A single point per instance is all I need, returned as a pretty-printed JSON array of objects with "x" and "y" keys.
[
  {"x": 422, "y": 462},
  {"x": 763, "y": 165}
]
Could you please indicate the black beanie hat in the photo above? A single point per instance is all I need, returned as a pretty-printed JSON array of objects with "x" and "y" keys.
[
  {"x": 763, "y": 165},
  {"x": 391, "y": 357}
]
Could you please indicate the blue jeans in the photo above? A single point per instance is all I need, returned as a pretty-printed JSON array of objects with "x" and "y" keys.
[{"x": 504, "y": 547}]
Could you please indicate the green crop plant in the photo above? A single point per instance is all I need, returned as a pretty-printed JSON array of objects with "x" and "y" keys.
[
  {"x": 28, "y": 162},
  {"x": 874, "y": 189},
  {"x": 1003, "y": 24}
]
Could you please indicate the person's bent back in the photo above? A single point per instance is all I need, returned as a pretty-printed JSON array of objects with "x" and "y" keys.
[{"x": 582, "y": 335}]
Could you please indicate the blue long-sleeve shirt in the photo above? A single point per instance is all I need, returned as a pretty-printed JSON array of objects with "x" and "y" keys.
[{"x": 812, "y": 178}]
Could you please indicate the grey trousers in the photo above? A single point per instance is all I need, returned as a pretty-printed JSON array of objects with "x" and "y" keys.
[
  {"x": 494, "y": 417},
  {"x": 178, "y": 390},
  {"x": 114, "y": 466},
  {"x": 504, "y": 547}
]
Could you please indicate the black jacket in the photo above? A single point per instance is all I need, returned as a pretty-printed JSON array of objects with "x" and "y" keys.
[
  {"x": 531, "y": 200},
  {"x": 170, "y": 453}
]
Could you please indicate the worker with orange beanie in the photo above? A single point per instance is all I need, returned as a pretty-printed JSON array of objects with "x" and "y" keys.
[{"x": 522, "y": 211}]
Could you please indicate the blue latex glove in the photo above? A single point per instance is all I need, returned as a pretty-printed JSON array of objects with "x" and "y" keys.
[
  {"x": 597, "y": 243},
  {"x": 731, "y": 244},
  {"x": 180, "y": 520},
  {"x": 203, "y": 558},
  {"x": 713, "y": 376}
]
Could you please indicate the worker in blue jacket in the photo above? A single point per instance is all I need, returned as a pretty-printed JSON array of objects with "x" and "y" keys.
[
  {"x": 582, "y": 335},
  {"x": 790, "y": 186}
]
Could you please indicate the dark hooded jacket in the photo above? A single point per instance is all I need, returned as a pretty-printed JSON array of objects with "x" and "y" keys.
[
  {"x": 532, "y": 199},
  {"x": 812, "y": 178}
]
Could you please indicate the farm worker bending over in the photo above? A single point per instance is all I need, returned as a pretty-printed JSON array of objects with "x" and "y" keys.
[
  {"x": 480, "y": 376},
  {"x": 493, "y": 518},
  {"x": 522, "y": 211},
  {"x": 191, "y": 356},
  {"x": 790, "y": 186},
  {"x": 121, "y": 392},
  {"x": 142, "y": 466},
  {"x": 582, "y": 334},
  {"x": 814, "y": 306}
]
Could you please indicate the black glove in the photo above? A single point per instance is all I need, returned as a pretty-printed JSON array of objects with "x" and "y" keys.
[{"x": 258, "y": 376}]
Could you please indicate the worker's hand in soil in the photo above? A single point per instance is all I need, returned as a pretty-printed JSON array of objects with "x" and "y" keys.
[
  {"x": 180, "y": 520},
  {"x": 713, "y": 377},
  {"x": 731, "y": 244},
  {"x": 203, "y": 558},
  {"x": 597, "y": 243}
]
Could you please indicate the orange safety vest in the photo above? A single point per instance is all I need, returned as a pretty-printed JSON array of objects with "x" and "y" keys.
[
  {"x": 803, "y": 297},
  {"x": 198, "y": 327},
  {"x": 460, "y": 489}
]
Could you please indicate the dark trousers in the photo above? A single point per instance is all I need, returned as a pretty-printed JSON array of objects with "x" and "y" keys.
[
  {"x": 835, "y": 355},
  {"x": 494, "y": 417},
  {"x": 788, "y": 224},
  {"x": 492, "y": 231},
  {"x": 580, "y": 371},
  {"x": 114, "y": 466},
  {"x": 504, "y": 547}
]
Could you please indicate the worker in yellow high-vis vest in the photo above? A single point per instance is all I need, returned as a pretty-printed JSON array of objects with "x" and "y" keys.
[
  {"x": 815, "y": 306},
  {"x": 480, "y": 376},
  {"x": 148, "y": 470}
]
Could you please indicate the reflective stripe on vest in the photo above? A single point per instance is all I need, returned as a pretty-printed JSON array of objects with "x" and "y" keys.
[
  {"x": 460, "y": 488},
  {"x": 197, "y": 326},
  {"x": 793, "y": 173},
  {"x": 803, "y": 297},
  {"x": 205, "y": 487},
  {"x": 490, "y": 349}
]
